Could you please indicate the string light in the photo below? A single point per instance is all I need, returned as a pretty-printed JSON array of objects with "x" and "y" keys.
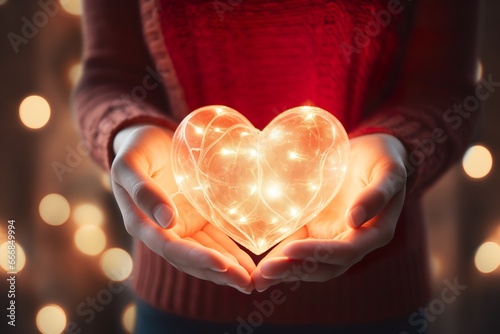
[
  {"x": 259, "y": 186},
  {"x": 274, "y": 192}
]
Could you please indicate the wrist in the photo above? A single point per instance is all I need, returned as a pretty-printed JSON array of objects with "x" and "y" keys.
[{"x": 125, "y": 133}]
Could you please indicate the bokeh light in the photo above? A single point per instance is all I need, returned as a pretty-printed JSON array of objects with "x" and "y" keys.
[
  {"x": 88, "y": 214},
  {"x": 20, "y": 258},
  {"x": 34, "y": 112},
  {"x": 3, "y": 2},
  {"x": 479, "y": 70},
  {"x": 72, "y": 6},
  {"x": 90, "y": 240},
  {"x": 128, "y": 318},
  {"x": 487, "y": 257},
  {"x": 54, "y": 209},
  {"x": 435, "y": 266},
  {"x": 106, "y": 181},
  {"x": 477, "y": 161},
  {"x": 51, "y": 319},
  {"x": 116, "y": 264},
  {"x": 75, "y": 72}
]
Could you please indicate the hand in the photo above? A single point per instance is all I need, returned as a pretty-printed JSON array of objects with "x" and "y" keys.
[
  {"x": 142, "y": 178},
  {"x": 361, "y": 218}
]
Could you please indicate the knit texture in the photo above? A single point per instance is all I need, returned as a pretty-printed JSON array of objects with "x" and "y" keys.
[{"x": 262, "y": 57}]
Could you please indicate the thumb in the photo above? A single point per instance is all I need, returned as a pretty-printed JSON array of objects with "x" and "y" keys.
[
  {"x": 145, "y": 192},
  {"x": 386, "y": 182}
]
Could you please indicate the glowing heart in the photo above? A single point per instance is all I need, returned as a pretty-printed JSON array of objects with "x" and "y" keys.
[{"x": 259, "y": 186}]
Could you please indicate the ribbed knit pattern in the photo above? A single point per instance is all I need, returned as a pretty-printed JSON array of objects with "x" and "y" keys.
[
  {"x": 262, "y": 57},
  {"x": 389, "y": 282}
]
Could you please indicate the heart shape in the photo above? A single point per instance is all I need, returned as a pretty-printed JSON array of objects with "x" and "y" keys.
[{"x": 259, "y": 186}]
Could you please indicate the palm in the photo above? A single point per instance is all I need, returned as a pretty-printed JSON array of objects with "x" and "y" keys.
[
  {"x": 143, "y": 184},
  {"x": 375, "y": 161},
  {"x": 331, "y": 223}
]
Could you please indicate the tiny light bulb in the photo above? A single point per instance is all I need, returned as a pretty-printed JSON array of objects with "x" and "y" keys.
[
  {"x": 275, "y": 134},
  {"x": 274, "y": 191},
  {"x": 226, "y": 151},
  {"x": 294, "y": 212}
]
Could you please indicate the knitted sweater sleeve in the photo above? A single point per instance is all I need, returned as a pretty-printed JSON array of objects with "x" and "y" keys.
[
  {"x": 435, "y": 105},
  {"x": 119, "y": 85}
]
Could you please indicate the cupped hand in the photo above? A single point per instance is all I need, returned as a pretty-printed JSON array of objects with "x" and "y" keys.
[
  {"x": 361, "y": 218},
  {"x": 142, "y": 180}
]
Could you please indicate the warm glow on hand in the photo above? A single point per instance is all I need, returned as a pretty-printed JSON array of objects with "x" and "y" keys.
[
  {"x": 142, "y": 180},
  {"x": 360, "y": 219}
]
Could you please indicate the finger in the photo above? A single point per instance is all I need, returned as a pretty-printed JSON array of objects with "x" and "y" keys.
[
  {"x": 355, "y": 243},
  {"x": 277, "y": 251},
  {"x": 262, "y": 283},
  {"x": 138, "y": 224},
  {"x": 204, "y": 263},
  {"x": 205, "y": 240},
  {"x": 166, "y": 243},
  {"x": 235, "y": 276},
  {"x": 287, "y": 273},
  {"x": 186, "y": 253},
  {"x": 231, "y": 247},
  {"x": 388, "y": 180},
  {"x": 145, "y": 192},
  {"x": 332, "y": 252},
  {"x": 305, "y": 270}
]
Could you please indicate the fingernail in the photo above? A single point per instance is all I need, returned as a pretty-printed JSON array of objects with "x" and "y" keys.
[
  {"x": 219, "y": 270},
  {"x": 357, "y": 216},
  {"x": 163, "y": 215}
]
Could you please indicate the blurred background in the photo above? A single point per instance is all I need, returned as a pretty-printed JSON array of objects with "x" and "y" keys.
[{"x": 73, "y": 254}]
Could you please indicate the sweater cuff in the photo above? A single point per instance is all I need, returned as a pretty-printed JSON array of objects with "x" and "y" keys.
[{"x": 119, "y": 116}]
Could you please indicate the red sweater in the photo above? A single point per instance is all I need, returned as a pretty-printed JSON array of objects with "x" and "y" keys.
[{"x": 368, "y": 62}]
